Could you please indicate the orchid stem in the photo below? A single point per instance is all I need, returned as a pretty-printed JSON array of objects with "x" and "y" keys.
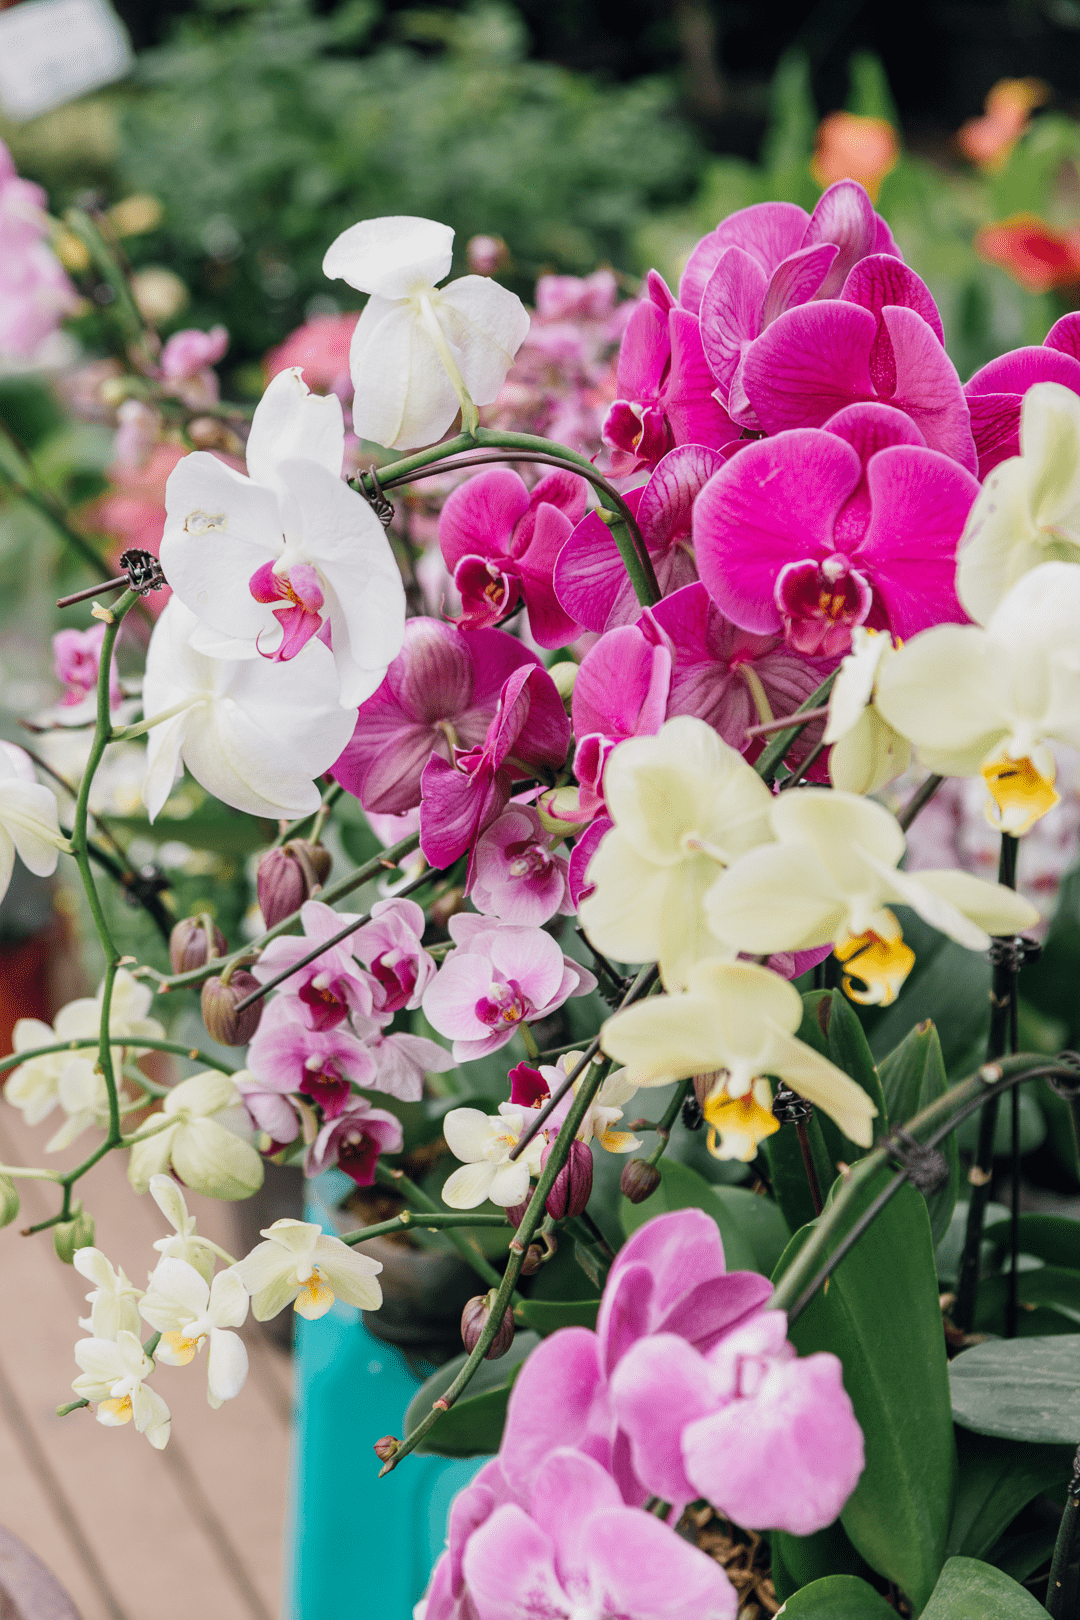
[
  {"x": 663, "y": 1128},
  {"x": 399, "y": 1181},
  {"x": 770, "y": 758}
]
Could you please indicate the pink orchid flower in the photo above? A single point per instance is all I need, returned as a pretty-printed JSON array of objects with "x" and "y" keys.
[
  {"x": 353, "y": 1142},
  {"x": 768, "y": 1437},
  {"x": 664, "y": 384},
  {"x": 590, "y": 577},
  {"x": 35, "y": 293},
  {"x": 271, "y": 1111},
  {"x": 499, "y": 976},
  {"x": 668, "y": 1278},
  {"x": 332, "y": 987},
  {"x": 500, "y": 542},
  {"x": 389, "y": 947},
  {"x": 995, "y": 393},
  {"x": 516, "y": 875},
  {"x": 440, "y": 693},
  {"x": 584, "y": 849},
  {"x": 529, "y": 732},
  {"x": 880, "y": 341},
  {"x": 818, "y": 530},
  {"x": 401, "y": 1062},
  {"x": 76, "y": 659},
  {"x": 286, "y": 1056}
]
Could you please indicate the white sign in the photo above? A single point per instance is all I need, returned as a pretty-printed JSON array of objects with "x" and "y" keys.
[{"x": 54, "y": 50}]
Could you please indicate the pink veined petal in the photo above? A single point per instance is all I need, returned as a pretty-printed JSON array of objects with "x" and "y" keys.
[
  {"x": 1064, "y": 335},
  {"x": 927, "y": 386},
  {"x": 768, "y": 232},
  {"x": 995, "y": 392},
  {"x": 881, "y": 279},
  {"x": 550, "y": 624},
  {"x": 644, "y": 355},
  {"x": 531, "y": 725},
  {"x": 661, "y": 1361},
  {"x": 694, "y": 415},
  {"x": 561, "y": 489},
  {"x": 797, "y": 279},
  {"x": 510, "y": 1573},
  {"x": 584, "y": 850},
  {"x": 535, "y": 1424},
  {"x": 681, "y": 1250},
  {"x": 569, "y": 1490},
  {"x": 712, "y": 1310},
  {"x": 451, "y": 998},
  {"x": 869, "y": 427},
  {"x": 844, "y": 215},
  {"x": 590, "y": 576},
  {"x": 665, "y": 508},
  {"x": 636, "y": 1570},
  {"x": 920, "y": 500},
  {"x": 479, "y": 516},
  {"x": 622, "y": 686},
  {"x": 456, "y": 806},
  {"x": 528, "y": 956},
  {"x": 995, "y": 427},
  {"x": 731, "y": 312},
  {"x": 772, "y": 504},
  {"x": 495, "y": 656},
  {"x": 809, "y": 364}
]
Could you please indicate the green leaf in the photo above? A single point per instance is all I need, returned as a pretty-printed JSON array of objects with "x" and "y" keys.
[
  {"x": 998, "y": 1478},
  {"x": 969, "y": 1590},
  {"x": 832, "y": 1028},
  {"x": 799, "y": 1560},
  {"x": 1054, "y": 1239},
  {"x": 548, "y": 1315},
  {"x": 839, "y": 1597},
  {"x": 682, "y": 1188},
  {"x": 880, "y": 1315},
  {"x": 473, "y": 1426},
  {"x": 761, "y": 1223},
  {"x": 912, "y": 1077},
  {"x": 787, "y": 1172},
  {"x": 1020, "y": 1389},
  {"x": 1050, "y": 1286}
]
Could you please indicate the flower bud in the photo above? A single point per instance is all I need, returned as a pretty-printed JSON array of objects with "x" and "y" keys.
[
  {"x": 446, "y": 906},
  {"x": 71, "y": 1235},
  {"x": 9, "y": 1201},
  {"x": 288, "y": 876},
  {"x": 516, "y": 1213},
  {"x": 572, "y": 1186},
  {"x": 486, "y": 254},
  {"x": 639, "y": 1180},
  {"x": 560, "y": 811},
  {"x": 564, "y": 675},
  {"x": 193, "y": 942},
  {"x": 474, "y": 1319},
  {"x": 386, "y": 1448},
  {"x": 223, "y": 1022},
  {"x": 538, "y": 1254}
]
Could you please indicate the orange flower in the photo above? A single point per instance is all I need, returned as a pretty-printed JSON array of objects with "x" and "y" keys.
[
  {"x": 987, "y": 141},
  {"x": 1033, "y": 252},
  {"x": 850, "y": 147}
]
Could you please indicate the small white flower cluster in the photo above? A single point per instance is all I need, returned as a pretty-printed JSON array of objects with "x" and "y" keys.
[{"x": 190, "y": 1307}]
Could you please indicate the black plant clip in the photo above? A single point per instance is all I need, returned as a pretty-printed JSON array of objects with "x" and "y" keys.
[
  {"x": 789, "y": 1108},
  {"x": 143, "y": 571},
  {"x": 693, "y": 1115},
  {"x": 1013, "y": 951},
  {"x": 377, "y": 500},
  {"x": 927, "y": 1168}
]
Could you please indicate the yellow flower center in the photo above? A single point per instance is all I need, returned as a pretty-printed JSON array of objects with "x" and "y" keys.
[
  {"x": 113, "y": 1413},
  {"x": 879, "y": 965},
  {"x": 181, "y": 1350},
  {"x": 737, "y": 1124},
  {"x": 315, "y": 1297},
  {"x": 1021, "y": 795}
]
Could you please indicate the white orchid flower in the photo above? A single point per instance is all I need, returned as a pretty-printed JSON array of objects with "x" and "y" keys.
[
  {"x": 603, "y": 1113},
  {"x": 114, "y": 1374},
  {"x": 201, "y": 1132},
  {"x": 421, "y": 352},
  {"x": 303, "y": 1266},
  {"x": 34, "y": 1086},
  {"x": 114, "y": 1302},
  {"x": 736, "y": 1020},
  {"x": 989, "y": 701},
  {"x": 289, "y": 552},
  {"x": 188, "y": 1311},
  {"x": 29, "y": 818},
  {"x": 830, "y": 877},
  {"x": 255, "y": 734},
  {"x": 1028, "y": 511},
  {"x": 129, "y": 1006},
  {"x": 484, "y": 1142},
  {"x": 84, "y": 1097},
  {"x": 866, "y": 751},
  {"x": 185, "y": 1243},
  {"x": 685, "y": 805}
]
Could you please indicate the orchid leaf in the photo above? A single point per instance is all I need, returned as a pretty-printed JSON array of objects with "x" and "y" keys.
[
  {"x": 1020, "y": 1389},
  {"x": 970, "y": 1590},
  {"x": 473, "y": 1426},
  {"x": 548, "y": 1315},
  {"x": 912, "y": 1077},
  {"x": 997, "y": 1478},
  {"x": 838, "y": 1597}
]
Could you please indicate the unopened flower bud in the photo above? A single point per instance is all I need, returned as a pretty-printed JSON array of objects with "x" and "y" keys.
[
  {"x": 288, "y": 876},
  {"x": 516, "y": 1213},
  {"x": 71, "y": 1235},
  {"x": 386, "y": 1448},
  {"x": 211, "y": 433},
  {"x": 572, "y": 1186},
  {"x": 446, "y": 906},
  {"x": 538, "y": 1254},
  {"x": 475, "y": 1317},
  {"x": 639, "y": 1180},
  {"x": 486, "y": 254},
  {"x": 9, "y": 1201},
  {"x": 219, "y": 1002},
  {"x": 560, "y": 811},
  {"x": 193, "y": 942},
  {"x": 564, "y": 675}
]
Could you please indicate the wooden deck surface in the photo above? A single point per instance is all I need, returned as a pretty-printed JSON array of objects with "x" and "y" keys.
[{"x": 196, "y": 1530}]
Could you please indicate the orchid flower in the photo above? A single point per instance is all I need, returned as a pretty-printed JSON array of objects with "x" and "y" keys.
[
  {"x": 286, "y": 1054},
  {"x": 516, "y": 875},
  {"x": 290, "y": 552},
  {"x": 29, "y": 818},
  {"x": 76, "y": 659},
  {"x": 185, "y": 1243},
  {"x": 390, "y": 948},
  {"x": 326, "y": 991},
  {"x": 816, "y": 531},
  {"x": 354, "y": 1140},
  {"x": 303, "y": 1266},
  {"x": 198, "y": 1133},
  {"x": 1028, "y": 511},
  {"x": 989, "y": 702},
  {"x": 996, "y": 392},
  {"x": 114, "y": 1301},
  {"x": 35, "y": 293},
  {"x": 421, "y": 352},
  {"x": 440, "y": 693},
  {"x": 188, "y": 1311},
  {"x": 866, "y": 752},
  {"x": 684, "y": 804},
  {"x": 114, "y": 1375},
  {"x": 500, "y": 540},
  {"x": 254, "y": 733},
  {"x": 484, "y": 1143},
  {"x": 736, "y": 1020},
  {"x": 34, "y": 1086},
  {"x": 829, "y": 878},
  {"x": 603, "y": 1113}
]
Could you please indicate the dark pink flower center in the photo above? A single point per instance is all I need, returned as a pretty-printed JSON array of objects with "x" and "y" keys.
[
  {"x": 357, "y": 1155},
  {"x": 528, "y": 861},
  {"x": 396, "y": 972},
  {"x": 505, "y": 1003},
  {"x": 326, "y": 1087},
  {"x": 300, "y": 587},
  {"x": 821, "y": 603},
  {"x": 326, "y": 1002}
]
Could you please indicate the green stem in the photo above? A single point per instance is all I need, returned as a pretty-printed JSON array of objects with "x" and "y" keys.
[
  {"x": 129, "y": 317},
  {"x": 176, "y": 1047},
  {"x": 128, "y": 733},
  {"x": 769, "y": 759},
  {"x": 428, "y": 1221},
  {"x": 663, "y": 1129},
  {"x": 1061, "y": 1587},
  {"x": 416, "y": 1196},
  {"x": 22, "y": 483}
]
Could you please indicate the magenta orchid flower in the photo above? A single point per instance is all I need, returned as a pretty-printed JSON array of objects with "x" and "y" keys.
[
  {"x": 590, "y": 577},
  {"x": 529, "y": 732},
  {"x": 439, "y": 694},
  {"x": 880, "y": 341},
  {"x": 390, "y": 948},
  {"x": 332, "y": 987},
  {"x": 995, "y": 393},
  {"x": 501, "y": 542},
  {"x": 818, "y": 530},
  {"x": 621, "y": 689},
  {"x": 516, "y": 875},
  {"x": 664, "y": 384},
  {"x": 769, "y": 1438},
  {"x": 498, "y": 977},
  {"x": 353, "y": 1142},
  {"x": 584, "y": 849},
  {"x": 286, "y": 1056}
]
